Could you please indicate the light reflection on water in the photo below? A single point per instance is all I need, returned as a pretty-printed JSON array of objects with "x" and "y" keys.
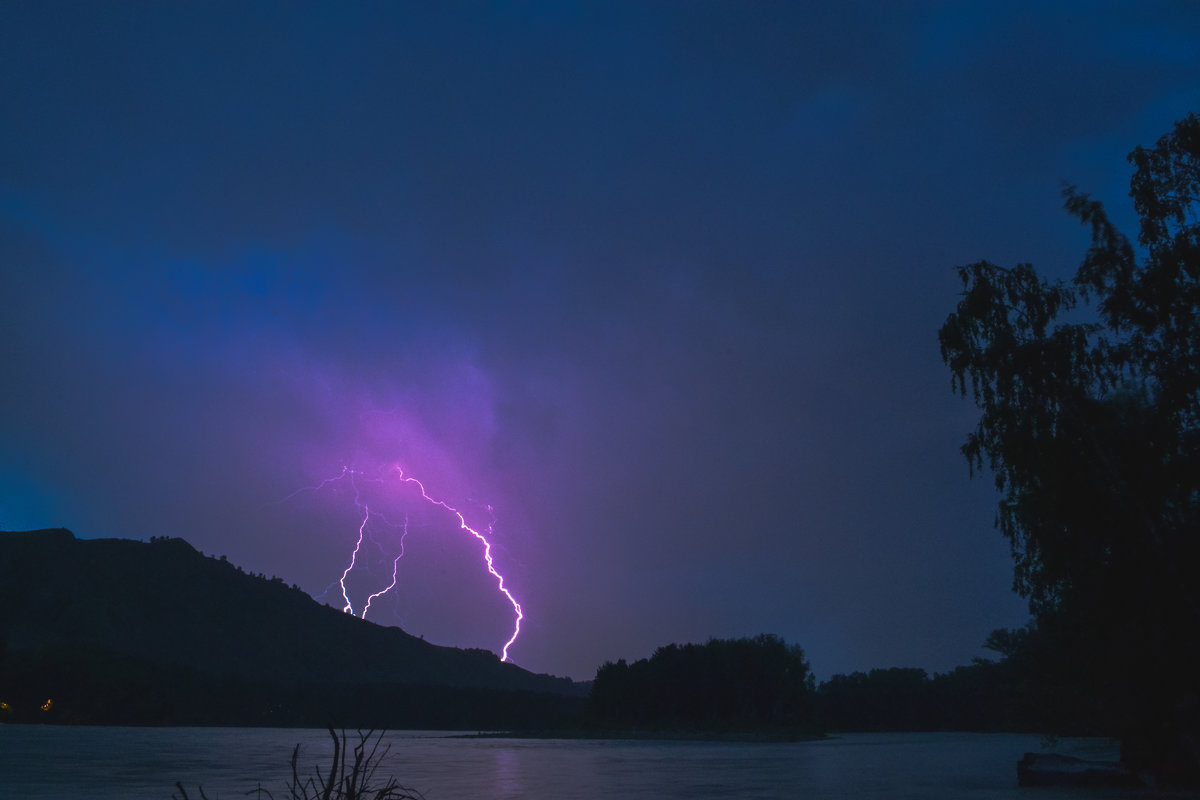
[{"x": 144, "y": 763}]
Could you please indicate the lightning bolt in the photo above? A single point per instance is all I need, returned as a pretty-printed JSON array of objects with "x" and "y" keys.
[
  {"x": 395, "y": 566},
  {"x": 487, "y": 554},
  {"x": 482, "y": 536},
  {"x": 349, "y": 609}
]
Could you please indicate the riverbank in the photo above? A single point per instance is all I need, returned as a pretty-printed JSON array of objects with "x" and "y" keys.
[{"x": 658, "y": 736}]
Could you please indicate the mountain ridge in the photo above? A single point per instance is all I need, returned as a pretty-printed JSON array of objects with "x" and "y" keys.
[{"x": 164, "y": 608}]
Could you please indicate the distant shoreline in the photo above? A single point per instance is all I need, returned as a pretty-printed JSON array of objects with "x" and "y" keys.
[{"x": 668, "y": 735}]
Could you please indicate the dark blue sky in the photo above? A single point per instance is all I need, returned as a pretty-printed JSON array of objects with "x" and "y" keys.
[{"x": 659, "y": 282}]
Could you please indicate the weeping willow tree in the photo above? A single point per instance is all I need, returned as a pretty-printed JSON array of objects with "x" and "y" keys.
[{"x": 1089, "y": 392}]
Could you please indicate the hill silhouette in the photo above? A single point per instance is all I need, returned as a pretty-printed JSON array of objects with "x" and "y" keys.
[{"x": 118, "y": 630}]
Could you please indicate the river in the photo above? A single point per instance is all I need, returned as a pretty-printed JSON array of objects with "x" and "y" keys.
[{"x": 101, "y": 763}]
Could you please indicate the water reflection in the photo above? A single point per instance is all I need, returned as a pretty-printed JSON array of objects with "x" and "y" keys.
[{"x": 507, "y": 781}]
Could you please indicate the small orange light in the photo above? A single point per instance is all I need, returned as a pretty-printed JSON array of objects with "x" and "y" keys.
[{"x": 46, "y": 706}]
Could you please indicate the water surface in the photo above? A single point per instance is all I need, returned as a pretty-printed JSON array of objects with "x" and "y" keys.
[{"x": 101, "y": 763}]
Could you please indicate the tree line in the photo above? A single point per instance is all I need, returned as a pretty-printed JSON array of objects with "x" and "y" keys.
[
  {"x": 759, "y": 684},
  {"x": 763, "y": 685}
]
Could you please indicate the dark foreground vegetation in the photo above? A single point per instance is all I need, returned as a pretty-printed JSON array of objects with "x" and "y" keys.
[{"x": 352, "y": 775}]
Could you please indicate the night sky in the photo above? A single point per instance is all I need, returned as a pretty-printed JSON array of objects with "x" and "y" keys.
[{"x": 659, "y": 283}]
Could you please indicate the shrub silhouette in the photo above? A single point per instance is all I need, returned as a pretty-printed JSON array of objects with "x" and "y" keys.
[{"x": 351, "y": 776}]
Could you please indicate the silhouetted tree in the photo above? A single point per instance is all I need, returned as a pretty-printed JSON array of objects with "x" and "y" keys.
[{"x": 1090, "y": 399}]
